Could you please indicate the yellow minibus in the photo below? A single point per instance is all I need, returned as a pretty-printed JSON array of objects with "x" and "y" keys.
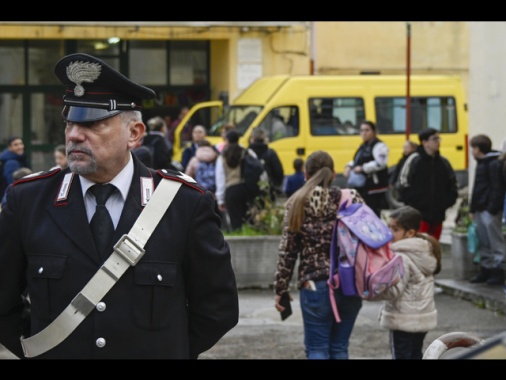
[{"x": 302, "y": 114}]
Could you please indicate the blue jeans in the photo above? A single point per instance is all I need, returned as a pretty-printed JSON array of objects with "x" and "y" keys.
[
  {"x": 491, "y": 248},
  {"x": 324, "y": 338}
]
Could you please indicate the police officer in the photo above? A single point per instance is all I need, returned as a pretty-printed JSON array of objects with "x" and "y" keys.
[{"x": 176, "y": 302}]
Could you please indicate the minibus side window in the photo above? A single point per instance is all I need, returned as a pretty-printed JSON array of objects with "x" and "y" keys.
[
  {"x": 335, "y": 116},
  {"x": 438, "y": 112},
  {"x": 281, "y": 122}
]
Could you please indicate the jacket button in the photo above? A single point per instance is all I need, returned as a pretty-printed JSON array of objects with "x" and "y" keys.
[
  {"x": 159, "y": 277},
  {"x": 41, "y": 270},
  {"x": 101, "y": 306},
  {"x": 100, "y": 342}
]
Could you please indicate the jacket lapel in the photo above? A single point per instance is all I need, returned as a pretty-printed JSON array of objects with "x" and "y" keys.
[
  {"x": 70, "y": 216},
  {"x": 133, "y": 203}
]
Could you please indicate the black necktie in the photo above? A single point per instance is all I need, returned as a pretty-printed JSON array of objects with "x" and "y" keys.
[{"x": 101, "y": 222}]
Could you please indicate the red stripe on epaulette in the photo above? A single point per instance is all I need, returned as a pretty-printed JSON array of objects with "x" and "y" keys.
[
  {"x": 35, "y": 176},
  {"x": 175, "y": 177}
]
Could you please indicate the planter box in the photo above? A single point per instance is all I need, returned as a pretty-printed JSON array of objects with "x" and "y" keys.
[
  {"x": 254, "y": 260},
  {"x": 463, "y": 266}
]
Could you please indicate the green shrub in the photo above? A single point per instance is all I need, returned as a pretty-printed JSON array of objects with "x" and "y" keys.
[
  {"x": 264, "y": 218},
  {"x": 463, "y": 219}
]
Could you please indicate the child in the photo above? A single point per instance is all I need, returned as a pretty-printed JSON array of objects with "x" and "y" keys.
[
  {"x": 295, "y": 181},
  {"x": 410, "y": 310}
]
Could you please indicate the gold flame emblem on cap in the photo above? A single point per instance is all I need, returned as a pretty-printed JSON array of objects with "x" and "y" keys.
[{"x": 79, "y": 72}]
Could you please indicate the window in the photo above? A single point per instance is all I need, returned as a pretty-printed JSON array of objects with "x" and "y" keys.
[
  {"x": 11, "y": 108},
  {"x": 148, "y": 62},
  {"x": 426, "y": 112},
  {"x": 12, "y": 69},
  {"x": 46, "y": 119},
  {"x": 42, "y": 58},
  {"x": 281, "y": 122},
  {"x": 335, "y": 116},
  {"x": 188, "y": 63}
]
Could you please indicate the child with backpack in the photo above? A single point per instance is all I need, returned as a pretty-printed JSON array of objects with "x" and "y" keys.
[
  {"x": 308, "y": 224},
  {"x": 409, "y": 311},
  {"x": 202, "y": 166}
]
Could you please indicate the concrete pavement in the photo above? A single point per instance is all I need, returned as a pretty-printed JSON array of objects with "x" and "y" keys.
[
  {"x": 490, "y": 297},
  {"x": 477, "y": 309}
]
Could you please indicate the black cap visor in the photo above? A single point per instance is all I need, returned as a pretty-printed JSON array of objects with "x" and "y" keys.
[{"x": 86, "y": 114}]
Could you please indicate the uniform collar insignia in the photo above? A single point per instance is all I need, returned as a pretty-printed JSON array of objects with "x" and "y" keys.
[
  {"x": 33, "y": 175},
  {"x": 79, "y": 72},
  {"x": 187, "y": 178}
]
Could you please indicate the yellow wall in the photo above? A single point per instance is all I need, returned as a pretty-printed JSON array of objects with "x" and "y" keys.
[
  {"x": 352, "y": 47},
  {"x": 437, "y": 47}
]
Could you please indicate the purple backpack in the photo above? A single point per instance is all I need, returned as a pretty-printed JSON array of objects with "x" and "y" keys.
[{"x": 366, "y": 265}]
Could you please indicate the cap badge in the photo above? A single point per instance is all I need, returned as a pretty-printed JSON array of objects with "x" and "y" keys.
[{"x": 79, "y": 72}]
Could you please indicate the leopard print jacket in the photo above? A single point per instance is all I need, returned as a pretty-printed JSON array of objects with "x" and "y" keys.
[{"x": 312, "y": 245}]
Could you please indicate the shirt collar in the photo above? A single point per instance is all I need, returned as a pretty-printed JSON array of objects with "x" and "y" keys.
[{"x": 122, "y": 180}]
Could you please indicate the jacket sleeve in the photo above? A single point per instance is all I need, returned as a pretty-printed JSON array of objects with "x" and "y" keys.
[
  {"x": 495, "y": 202},
  {"x": 452, "y": 191},
  {"x": 13, "y": 321},
  {"x": 380, "y": 154},
  {"x": 409, "y": 191},
  {"x": 277, "y": 173},
  {"x": 10, "y": 167},
  {"x": 220, "y": 181},
  {"x": 213, "y": 302},
  {"x": 289, "y": 250}
]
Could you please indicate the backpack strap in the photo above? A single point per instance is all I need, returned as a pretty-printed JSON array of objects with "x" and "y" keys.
[{"x": 333, "y": 280}]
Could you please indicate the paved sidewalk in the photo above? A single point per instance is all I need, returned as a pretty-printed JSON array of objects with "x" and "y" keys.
[
  {"x": 482, "y": 295},
  {"x": 477, "y": 309}
]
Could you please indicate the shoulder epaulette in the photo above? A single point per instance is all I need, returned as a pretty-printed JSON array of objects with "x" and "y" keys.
[
  {"x": 175, "y": 175},
  {"x": 37, "y": 176}
]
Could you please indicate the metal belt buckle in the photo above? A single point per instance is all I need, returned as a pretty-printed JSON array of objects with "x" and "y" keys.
[{"x": 127, "y": 248}]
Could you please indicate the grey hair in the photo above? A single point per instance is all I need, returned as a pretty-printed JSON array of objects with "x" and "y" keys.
[{"x": 128, "y": 116}]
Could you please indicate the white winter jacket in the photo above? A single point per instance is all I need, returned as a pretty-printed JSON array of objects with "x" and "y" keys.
[{"x": 410, "y": 304}]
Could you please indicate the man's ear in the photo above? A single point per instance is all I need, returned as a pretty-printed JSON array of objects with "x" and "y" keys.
[{"x": 137, "y": 131}]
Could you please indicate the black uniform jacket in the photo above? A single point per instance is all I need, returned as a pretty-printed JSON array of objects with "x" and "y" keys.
[{"x": 176, "y": 303}]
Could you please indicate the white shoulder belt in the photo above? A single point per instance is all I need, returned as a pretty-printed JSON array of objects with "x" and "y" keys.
[{"x": 127, "y": 252}]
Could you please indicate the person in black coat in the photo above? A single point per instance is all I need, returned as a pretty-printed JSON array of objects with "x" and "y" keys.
[
  {"x": 431, "y": 185},
  {"x": 270, "y": 160},
  {"x": 486, "y": 207},
  {"x": 176, "y": 302},
  {"x": 158, "y": 143}
]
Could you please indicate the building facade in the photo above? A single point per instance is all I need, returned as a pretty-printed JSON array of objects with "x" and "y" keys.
[{"x": 189, "y": 62}]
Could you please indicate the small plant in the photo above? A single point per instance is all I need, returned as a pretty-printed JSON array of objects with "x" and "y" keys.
[
  {"x": 265, "y": 217},
  {"x": 463, "y": 219}
]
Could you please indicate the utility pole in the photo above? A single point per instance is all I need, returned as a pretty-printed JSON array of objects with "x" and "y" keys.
[{"x": 312, "y": 48}]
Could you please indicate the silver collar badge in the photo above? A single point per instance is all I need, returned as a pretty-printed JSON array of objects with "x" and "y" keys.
[{"x": 79, "y": 72}]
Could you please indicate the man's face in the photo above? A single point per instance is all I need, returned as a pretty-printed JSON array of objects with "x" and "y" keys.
[
  {"x": 198, "y": 133},
  {"x": 17, "y": 146},
  {"x": 100, "y": 150},
  {"x": 431, "y": 145}
]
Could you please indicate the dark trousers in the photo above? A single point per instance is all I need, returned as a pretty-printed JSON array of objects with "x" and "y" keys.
[
  {"x": 376, "y": 201},
  {"x": 237, "y": 201},
  {"x": 406, "y": 345}
]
